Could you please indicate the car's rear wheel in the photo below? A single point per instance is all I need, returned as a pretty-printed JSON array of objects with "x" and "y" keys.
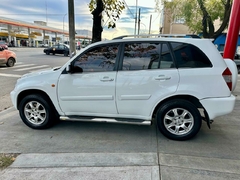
[
  {"x": 65, "y": 53},
  {"x": 47, "y": 53},
  {"x": 36, "y": 112},
  {"x": 10, "y": 62},
  {"x": 178, "y": 119}
]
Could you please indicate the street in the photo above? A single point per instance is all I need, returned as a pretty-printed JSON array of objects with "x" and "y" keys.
[{"x": 111, "y": 151}]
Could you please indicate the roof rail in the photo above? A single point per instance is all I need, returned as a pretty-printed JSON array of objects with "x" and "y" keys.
[{"x": 158, "y": 35}]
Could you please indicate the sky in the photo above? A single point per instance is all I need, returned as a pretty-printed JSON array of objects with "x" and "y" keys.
[{"x": 55, "y": 13}]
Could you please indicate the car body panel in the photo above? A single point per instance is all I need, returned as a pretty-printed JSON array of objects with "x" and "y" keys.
[
  {"x": 86, "y": 94},
  {"x": 138, "y": 91}
]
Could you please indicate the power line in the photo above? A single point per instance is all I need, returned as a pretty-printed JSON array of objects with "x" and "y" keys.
[{"x": 129, "y": 9}]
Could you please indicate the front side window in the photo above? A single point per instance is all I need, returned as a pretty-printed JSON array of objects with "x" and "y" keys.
[
  {"x": 140, "y": 56},
  {"x": 98, "y": 59},
  {"x": 189, "y": 56}
]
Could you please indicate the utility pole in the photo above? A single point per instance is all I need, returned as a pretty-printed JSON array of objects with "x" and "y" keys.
[
  {"x": 139, "y": 20},
  {"x": 135, "y": 30},
  {"x": 150, "y": 23},
  {"x": 71, "y": 26}
]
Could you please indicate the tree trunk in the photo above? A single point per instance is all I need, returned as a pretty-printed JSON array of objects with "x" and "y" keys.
[
  {"x": 208, "y": 27},
  {"x": 97, "y": 22},
  {"x": 227, "y": 12}
]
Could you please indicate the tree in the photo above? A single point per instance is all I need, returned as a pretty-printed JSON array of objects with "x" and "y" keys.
[
  {"x": 112, "y": 8},
  {"x": 200, "y": 15}
]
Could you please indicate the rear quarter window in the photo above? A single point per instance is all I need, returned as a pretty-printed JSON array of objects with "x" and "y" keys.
[{"x": 189, "y": 56}]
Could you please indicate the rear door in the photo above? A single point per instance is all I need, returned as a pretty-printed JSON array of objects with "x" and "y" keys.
[{"x": 147, "y": 75}]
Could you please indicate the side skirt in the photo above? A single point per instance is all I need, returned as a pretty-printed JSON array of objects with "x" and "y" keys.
[{"x": 108, "y": 120}]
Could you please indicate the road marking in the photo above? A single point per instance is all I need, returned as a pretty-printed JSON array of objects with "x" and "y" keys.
[
  {"x": 19, "y": 66},
  {"x": 10, "y": 75},
  {"x": 36, "y": 67},
  {"x": 24, "y": 65},
  {"x": 39, "y": 70}
]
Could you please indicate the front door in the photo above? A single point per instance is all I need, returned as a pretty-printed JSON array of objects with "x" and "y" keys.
[{"x": 90, "y": 89}]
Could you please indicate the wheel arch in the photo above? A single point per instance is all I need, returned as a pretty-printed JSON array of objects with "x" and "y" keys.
[
  {"x": 35, "y": 91},
  {"x": 11, "y": 57},
  {"x": 189, "y": 98}
]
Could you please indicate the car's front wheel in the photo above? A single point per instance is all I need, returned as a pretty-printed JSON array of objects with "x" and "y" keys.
[
  {"x": 178, "y": 119},
  {"x": 36, "y": 112},
  {"x": 10, "y": 62}
]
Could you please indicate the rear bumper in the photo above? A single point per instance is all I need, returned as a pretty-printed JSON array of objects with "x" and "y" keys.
[{"x": 218, "y": 106}]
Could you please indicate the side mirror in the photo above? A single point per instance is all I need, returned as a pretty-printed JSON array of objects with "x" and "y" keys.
[
  {"x": 68, "y": 68},
  {"x": 73, "y": 69}
]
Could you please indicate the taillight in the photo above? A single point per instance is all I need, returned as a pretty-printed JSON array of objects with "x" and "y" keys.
[{"x": 227, "y": 75}]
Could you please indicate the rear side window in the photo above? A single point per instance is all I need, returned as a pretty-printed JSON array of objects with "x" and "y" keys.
[
  {"x": 142, "y": 56},
  {"x": 189, "y": 56}
]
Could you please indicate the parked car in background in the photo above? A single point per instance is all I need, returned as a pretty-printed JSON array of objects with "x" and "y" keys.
[
  {"x": 3, "y": 44},
  {"x": 57, "y": 49},
  {"x": 7, "y": 57},
  {"x": 43, "y": 45}
]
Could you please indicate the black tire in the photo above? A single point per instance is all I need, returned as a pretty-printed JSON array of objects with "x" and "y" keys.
[
  {"x": 65, "y": 53},
  {"x": 10, "y": 62},
  {"x": 238, "y": 68},
  {"x": 47, "y": 53},
  {"x": 178, "y": 119},
  {"x": 36, "y": 112},
  {"x": 53, "y": 53}
]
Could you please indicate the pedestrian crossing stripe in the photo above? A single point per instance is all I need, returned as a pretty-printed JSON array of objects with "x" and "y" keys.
[{"x": 29, "y": 68}]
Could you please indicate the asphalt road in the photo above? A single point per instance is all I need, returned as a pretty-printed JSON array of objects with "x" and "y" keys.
[{"x": 115, "y": 151}]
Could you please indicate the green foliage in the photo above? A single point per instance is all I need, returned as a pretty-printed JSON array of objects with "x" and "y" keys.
[
  {"x": 6, "y": 160},
  {"x": 196, "y": 11},
  {"x": 112, "y": 9}
]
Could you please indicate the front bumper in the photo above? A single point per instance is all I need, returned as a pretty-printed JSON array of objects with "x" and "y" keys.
[{"x": 13, "y": 95}]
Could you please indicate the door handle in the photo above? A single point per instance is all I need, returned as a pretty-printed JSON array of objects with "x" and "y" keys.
[
  {"x": 106, "y": 78},
  {"x": 162, "y": 77}
]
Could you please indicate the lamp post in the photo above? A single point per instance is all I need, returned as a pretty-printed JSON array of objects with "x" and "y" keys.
[{"x": 63, "y": 26}]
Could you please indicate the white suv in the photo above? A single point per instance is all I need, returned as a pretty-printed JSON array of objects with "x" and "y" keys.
[{"x": 178, "y": 82}]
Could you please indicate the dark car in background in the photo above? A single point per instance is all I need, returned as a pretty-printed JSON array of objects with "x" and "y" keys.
[
  {"x": 3, "y": 44},
  {"x": 57, "y": 49}
]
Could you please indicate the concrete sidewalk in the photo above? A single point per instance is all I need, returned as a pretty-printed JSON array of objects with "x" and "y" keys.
[{"x": 125, "y": 166}]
